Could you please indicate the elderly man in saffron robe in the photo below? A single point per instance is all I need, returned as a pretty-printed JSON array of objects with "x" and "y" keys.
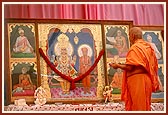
[{"x": 140, "y": 77}]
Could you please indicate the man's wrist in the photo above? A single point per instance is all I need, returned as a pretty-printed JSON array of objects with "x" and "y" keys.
[{"x": 118, "y": 65}]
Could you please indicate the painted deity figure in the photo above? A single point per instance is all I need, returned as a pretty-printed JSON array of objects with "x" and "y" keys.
[
  {"x": 64, "y": 62},
  {"x": 24, "y": 81},
  {"x": 22, "y": 44},
  {"x": 84, "y": 65}
]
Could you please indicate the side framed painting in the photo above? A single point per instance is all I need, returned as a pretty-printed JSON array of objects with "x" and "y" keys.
[
  {"x": 20, "y": 73},
  {"x": 155, "y": 36},
  {"x": 116, "y": 44}
]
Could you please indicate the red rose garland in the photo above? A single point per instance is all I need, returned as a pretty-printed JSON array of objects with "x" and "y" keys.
[{"x": 68, "y": 77}]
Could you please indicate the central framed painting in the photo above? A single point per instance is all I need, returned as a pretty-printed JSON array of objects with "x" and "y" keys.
[{"x": 72, "y": 49}]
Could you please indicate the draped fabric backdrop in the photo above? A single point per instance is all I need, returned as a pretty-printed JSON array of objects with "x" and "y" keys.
[{"x": 141, "y": 14}]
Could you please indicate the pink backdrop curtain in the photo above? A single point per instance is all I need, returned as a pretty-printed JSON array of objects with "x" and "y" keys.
[{"x": 141, "y": 14}]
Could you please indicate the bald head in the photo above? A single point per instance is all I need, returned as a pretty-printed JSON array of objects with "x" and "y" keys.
[{"x": 135, "y": 33}]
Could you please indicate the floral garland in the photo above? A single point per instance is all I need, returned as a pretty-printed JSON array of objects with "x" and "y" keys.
[{"x": 68, "y": 77}]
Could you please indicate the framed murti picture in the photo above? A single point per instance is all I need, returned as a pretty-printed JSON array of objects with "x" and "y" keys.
[
  {"x": 116, "y": 46},
  {"x": 154, "y": 35},
  {"x": 72, "y": 48}
]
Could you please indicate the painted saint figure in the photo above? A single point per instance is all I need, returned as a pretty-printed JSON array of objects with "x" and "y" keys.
[
  {"x": 121, "y": 44},
  {"x": 25, "y": 81},
  {"x": 22, "y": 44},
  {"x": 117, "y": 79},
  {"x": 84, "y": 65}
]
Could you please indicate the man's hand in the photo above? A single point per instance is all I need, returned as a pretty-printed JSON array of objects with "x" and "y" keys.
[{"x": 114, "y": 65}]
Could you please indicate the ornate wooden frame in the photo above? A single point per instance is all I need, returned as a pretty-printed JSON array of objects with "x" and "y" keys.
[{"x": 39, "y": 33}]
